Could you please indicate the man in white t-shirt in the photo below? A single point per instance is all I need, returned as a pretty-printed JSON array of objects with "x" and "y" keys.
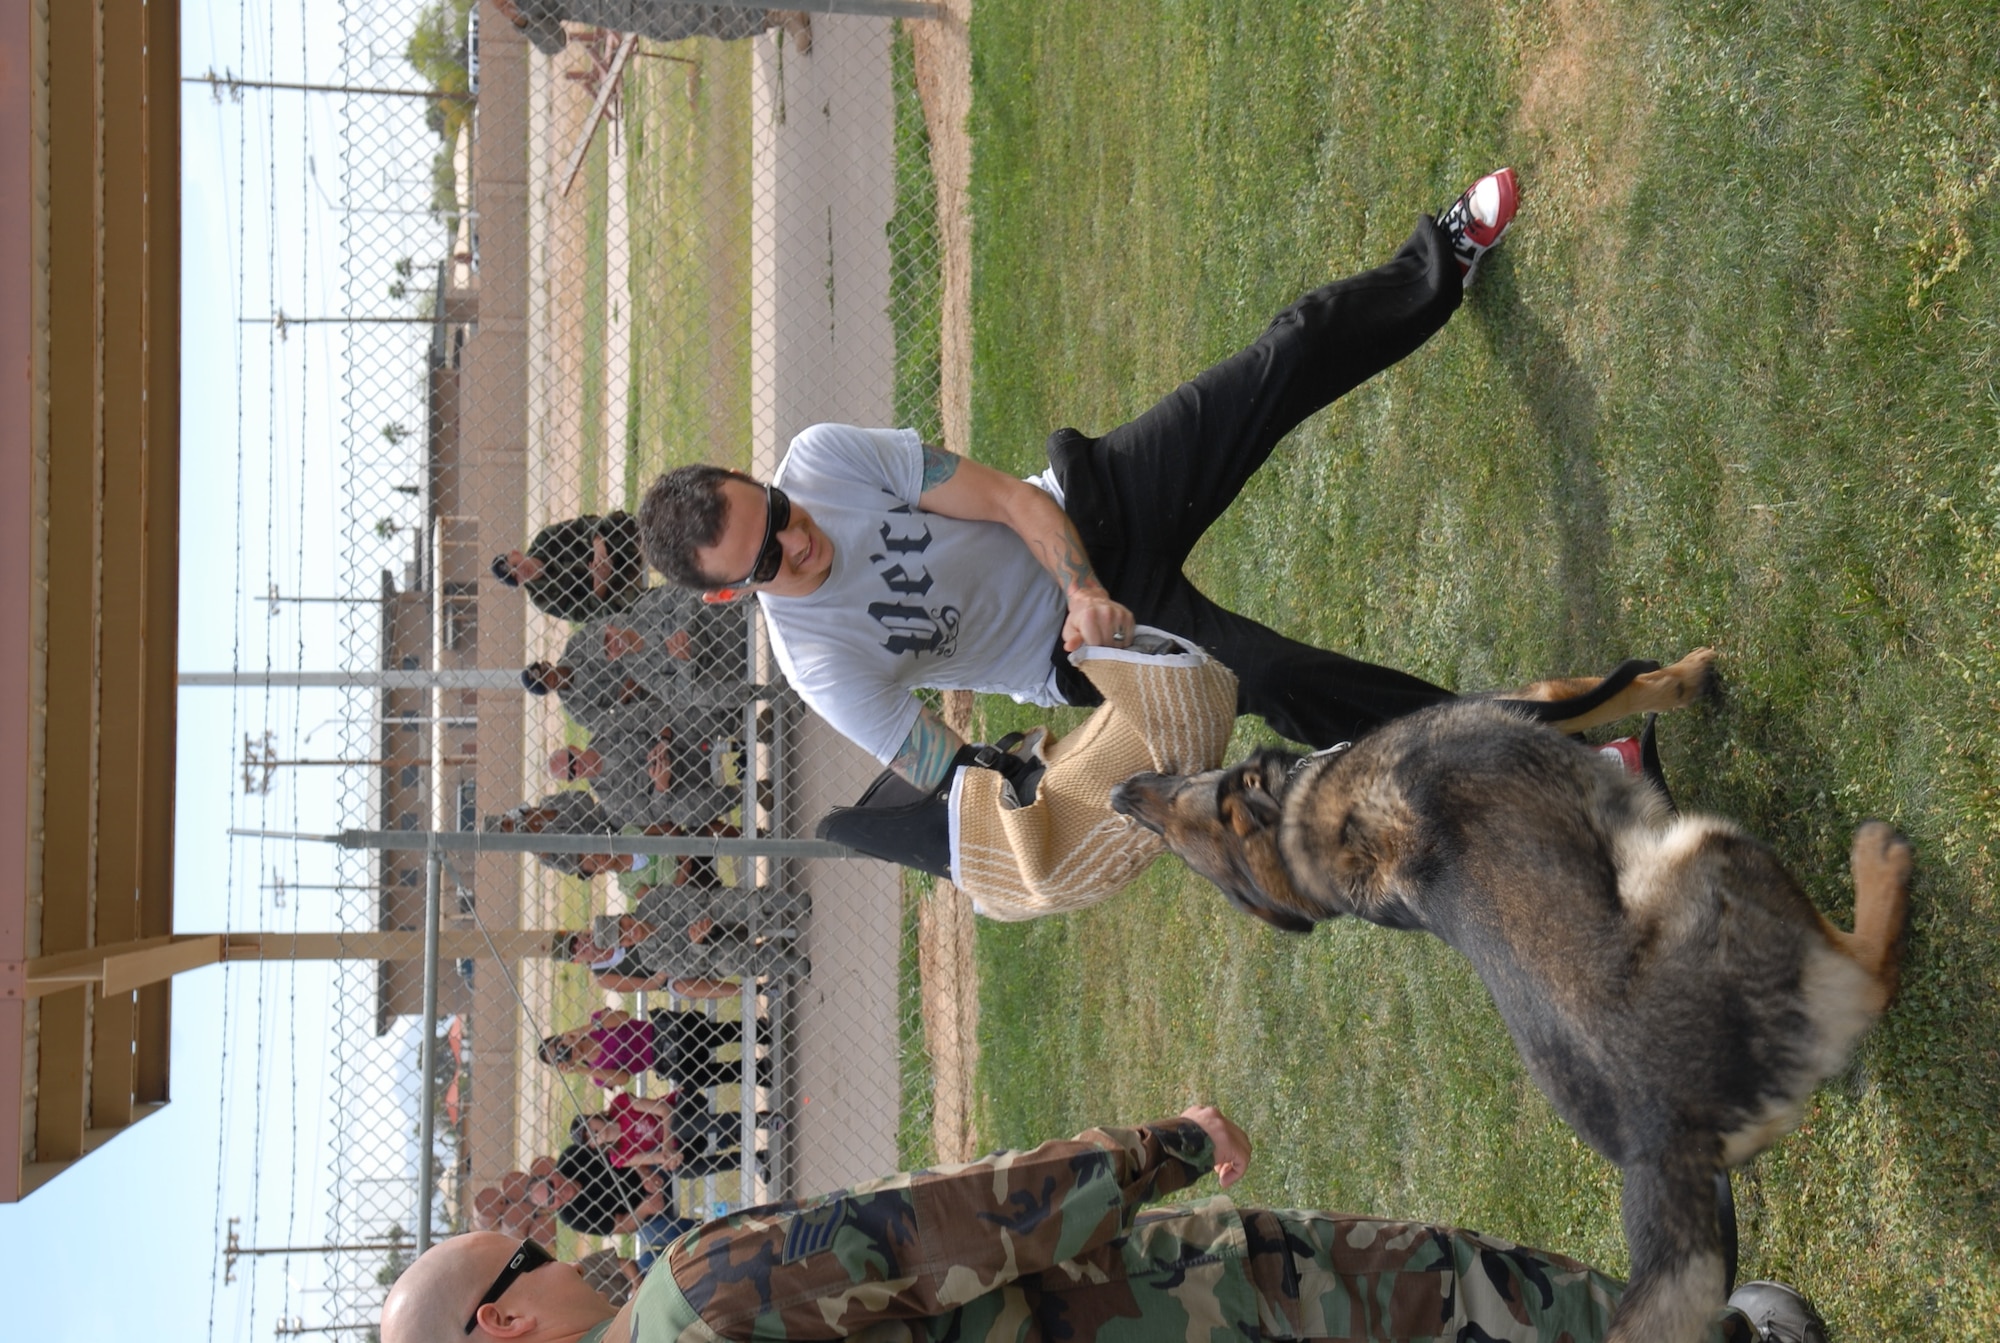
[{"x": 885, "y": 565}]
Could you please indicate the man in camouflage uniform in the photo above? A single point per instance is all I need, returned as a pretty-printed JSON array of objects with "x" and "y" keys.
[
  {"x": 663, "y": 777},
  {"x": 590, "y": 692},
  {"x": 1051, "y": 1244},
  {"x": 683, "y": 650}
]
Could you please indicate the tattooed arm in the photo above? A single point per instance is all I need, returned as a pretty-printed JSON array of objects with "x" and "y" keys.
[
  {"x": 961, "y": 488},
  {"x": 926, "y": 753}
]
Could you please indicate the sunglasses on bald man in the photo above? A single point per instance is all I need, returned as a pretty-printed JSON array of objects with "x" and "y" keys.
[{"x": 529, "y": 1257}]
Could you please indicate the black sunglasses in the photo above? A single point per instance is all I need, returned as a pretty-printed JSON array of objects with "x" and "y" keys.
[
  {"x": 770, "y": 555},
  {"x": 527, "y": 1259}
]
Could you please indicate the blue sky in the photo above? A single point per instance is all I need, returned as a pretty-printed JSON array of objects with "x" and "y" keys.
[{"x": 252, "y": 1127}]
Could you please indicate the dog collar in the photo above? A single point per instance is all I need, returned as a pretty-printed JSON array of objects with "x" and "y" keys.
[{"x": 1338, "y": 748}]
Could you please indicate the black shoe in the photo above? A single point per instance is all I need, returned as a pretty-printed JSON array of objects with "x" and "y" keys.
[{"x": 1778, "y": 1313}]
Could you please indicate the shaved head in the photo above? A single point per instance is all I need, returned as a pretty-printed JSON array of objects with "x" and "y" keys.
[{"x": 430, "y": 1302}]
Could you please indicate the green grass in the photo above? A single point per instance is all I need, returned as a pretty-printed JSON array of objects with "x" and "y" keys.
[
  {"x": 916, "y": 289},
  {"x": 916, "y": 1139},
  {"x": 1732, "y": 380},
  {"x": 596, "y": 300},
  {"x": 689, "y": 201}
]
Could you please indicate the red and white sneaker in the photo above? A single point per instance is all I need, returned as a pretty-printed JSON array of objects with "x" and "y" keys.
[
  {"x": 1477, "y": 221},
  {"x": 1627, "y": 752}
]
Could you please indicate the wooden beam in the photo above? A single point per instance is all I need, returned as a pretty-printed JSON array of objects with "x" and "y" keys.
[
  {"x": 124, "y": 967},
  {"x": 454, "y": 944},
  {"x": 75, "y": 477},
  {"x": 160, "y": 576},
  {"x": 126, "y": 971},
  {"x": 160, "y": 520},
  {"x": 21, "y": 409},
  {"x": 59, "y": 1111},
  {"x": 122, "y": 550}
]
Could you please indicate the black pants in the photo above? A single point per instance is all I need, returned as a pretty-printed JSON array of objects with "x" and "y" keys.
[
  {"x": 1142, "y": 495},
  {"x": 685, "y": 1043},
  {"x": 708, "y": 1142}
]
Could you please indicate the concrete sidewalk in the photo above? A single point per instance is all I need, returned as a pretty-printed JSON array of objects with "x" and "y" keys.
[{"x": 822, "y": 192}]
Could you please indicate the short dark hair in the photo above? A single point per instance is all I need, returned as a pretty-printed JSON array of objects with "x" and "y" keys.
[
  {"x": 535, "y": 677},
  {"x": 681, "y": 513},
  {"x": 579, "y": 1131},
  {"x": 503, "y": 569}
]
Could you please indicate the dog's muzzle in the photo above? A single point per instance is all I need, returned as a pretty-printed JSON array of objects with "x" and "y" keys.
[{"x": 1129, "y": 797}]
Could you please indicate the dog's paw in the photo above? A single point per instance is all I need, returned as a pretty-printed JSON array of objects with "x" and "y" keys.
[
  {"x": 1882, "y": 863},
  {"x": 1695, "y": 677},
  {"x": 1882, "y": 858}
]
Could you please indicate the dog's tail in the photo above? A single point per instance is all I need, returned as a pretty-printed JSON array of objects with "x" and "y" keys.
[{"x": 1680, "y": 1258}]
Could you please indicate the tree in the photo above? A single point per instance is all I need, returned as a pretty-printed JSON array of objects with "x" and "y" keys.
[
  {"x": 437, "y": 50},
  {"x": 399, "y": 1258}
]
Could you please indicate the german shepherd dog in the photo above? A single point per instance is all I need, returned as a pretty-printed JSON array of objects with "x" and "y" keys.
[{"x": 1668, "y": 985}]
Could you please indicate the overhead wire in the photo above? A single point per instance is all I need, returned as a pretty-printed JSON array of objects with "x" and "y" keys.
[
  {"x": 292, "y": 972},
  {"x": 273, "y": 338},
  {"x": 238, "y": 277}
]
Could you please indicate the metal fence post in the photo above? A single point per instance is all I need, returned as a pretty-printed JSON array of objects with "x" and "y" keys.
[{"x": 427, "y": 1050}]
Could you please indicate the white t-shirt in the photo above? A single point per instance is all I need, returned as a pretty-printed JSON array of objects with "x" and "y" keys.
[{"x": 913, "y": 599}]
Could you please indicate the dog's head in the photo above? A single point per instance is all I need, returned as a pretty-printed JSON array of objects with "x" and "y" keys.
[{"x": 1224, "y": 825}]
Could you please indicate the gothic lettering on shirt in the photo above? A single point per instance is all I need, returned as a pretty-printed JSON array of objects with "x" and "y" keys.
[
  {"x": 908, "y": 626},
  {"x": 912, "y": 629}
]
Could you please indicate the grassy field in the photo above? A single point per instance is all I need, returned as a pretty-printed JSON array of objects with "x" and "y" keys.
[
  {"x": 689, "y": 199},
  {"x": 1732, "y": 380}
]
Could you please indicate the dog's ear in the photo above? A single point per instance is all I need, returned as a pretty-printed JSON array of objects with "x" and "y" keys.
[{"x": 1247, "y": 805}]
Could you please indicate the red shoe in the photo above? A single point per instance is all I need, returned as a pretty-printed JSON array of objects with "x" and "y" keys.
[
  {"x": 1478, "y": 220},
  {"x": 1625, "y": 750}
]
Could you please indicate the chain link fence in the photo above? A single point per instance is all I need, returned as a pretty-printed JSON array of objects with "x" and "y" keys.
[{"x": 574, "y": 256}]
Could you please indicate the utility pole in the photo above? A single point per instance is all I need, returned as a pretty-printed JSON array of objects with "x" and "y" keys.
[
  {"x": 297, "y": 1325},
  {"x": 226, "y": 80},
  {"x": 259, "y": 764},
  {"x": 233, "y": 1248},
  {"x": 441, "y": 678},
  {"x": 273, "y": 596},
  {"x": 278, "y": 888}
]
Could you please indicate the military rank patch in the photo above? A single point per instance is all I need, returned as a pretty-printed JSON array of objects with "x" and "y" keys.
[{"x": 813, "y": 1230}]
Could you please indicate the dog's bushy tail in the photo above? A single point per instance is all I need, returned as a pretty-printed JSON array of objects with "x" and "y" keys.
[{"x": 1673, "y": 1230}]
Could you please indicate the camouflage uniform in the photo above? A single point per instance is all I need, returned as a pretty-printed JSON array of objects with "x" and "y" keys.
[
  {"x": 712, "y": 672},
  {"x": 1050, "y": 1244},
  {"x": 603, "y": 695}
]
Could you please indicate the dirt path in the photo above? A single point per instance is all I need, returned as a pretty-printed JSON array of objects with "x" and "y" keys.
[
  {"x": 944, "y": 926},
  {"x": 944, "y": 85}
]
